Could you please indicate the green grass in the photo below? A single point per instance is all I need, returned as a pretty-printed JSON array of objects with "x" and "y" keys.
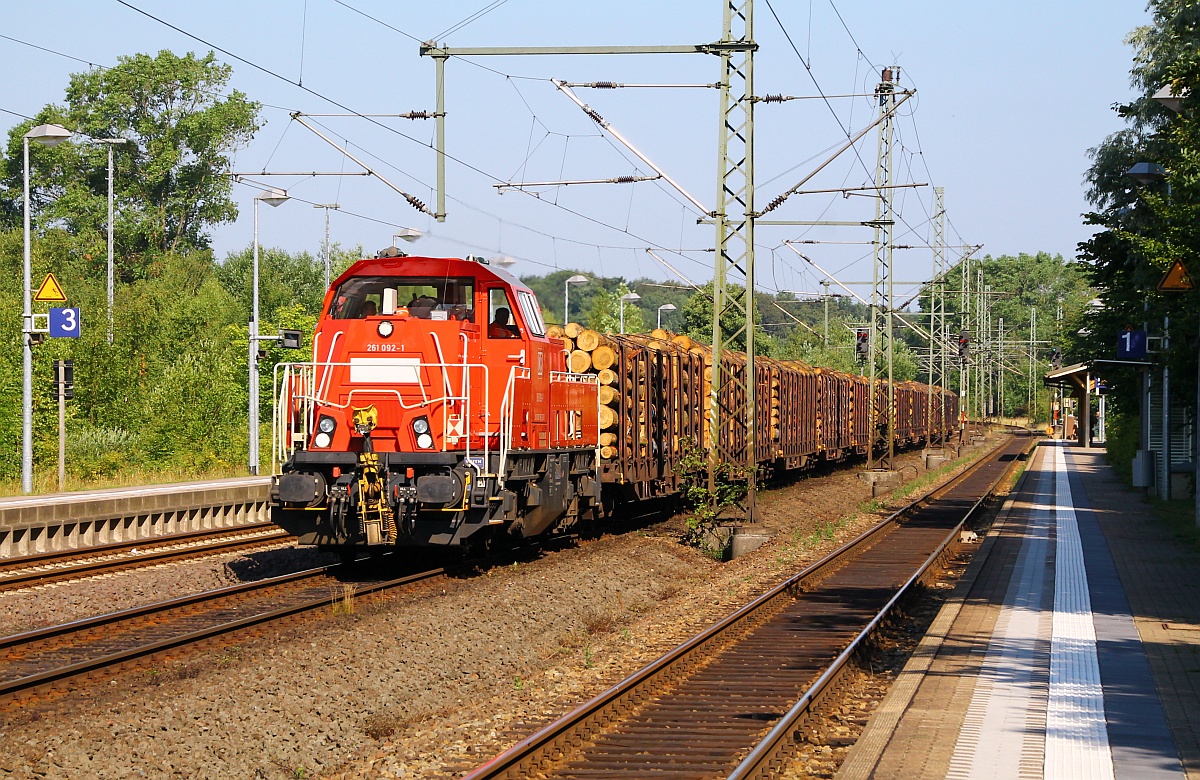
[{"x": 46, "y": 480}]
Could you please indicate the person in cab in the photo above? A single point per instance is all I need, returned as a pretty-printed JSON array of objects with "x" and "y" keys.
[{"x": 501, "y": 327}]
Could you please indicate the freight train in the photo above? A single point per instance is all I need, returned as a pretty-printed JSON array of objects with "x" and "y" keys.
[{"x": 439, "y": 409}]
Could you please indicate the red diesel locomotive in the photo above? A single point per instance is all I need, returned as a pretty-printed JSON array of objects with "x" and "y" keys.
[
  {"x": 438, "y": 409},
  {"x": 435, "y": 408}
]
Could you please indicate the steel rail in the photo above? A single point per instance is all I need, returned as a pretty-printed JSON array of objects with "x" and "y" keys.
[
  {"x": 13, "y": 643},
  {"x": 577, "y": 726},
  {"x": 79, "y": 563},
  {"x": 759, "y": 762}
]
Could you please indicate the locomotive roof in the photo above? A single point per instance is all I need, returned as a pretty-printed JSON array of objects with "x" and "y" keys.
[{"x": 417, "y": 265}]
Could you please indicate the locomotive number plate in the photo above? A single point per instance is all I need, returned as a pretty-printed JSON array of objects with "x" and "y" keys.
[{"x": 382, "y": 347}]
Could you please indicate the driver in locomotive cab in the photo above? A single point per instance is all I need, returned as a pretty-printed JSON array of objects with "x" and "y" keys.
[{"x": 501, "y": 328}]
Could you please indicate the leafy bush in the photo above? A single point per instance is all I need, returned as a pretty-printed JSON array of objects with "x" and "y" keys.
[
  {"x": 1123, "y": 439},
  {"x": 95, "y": 451},
  {"x": 705, "y": 504}
]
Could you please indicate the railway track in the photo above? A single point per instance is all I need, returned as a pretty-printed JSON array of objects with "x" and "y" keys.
[
  {"x": 728, "y": 702},
  {"x": 42, "y": 662},
  {"x": 42, "y": 568}
]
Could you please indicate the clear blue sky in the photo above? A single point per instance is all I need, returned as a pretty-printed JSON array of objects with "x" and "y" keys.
[{"x": 1010, "y": 97}]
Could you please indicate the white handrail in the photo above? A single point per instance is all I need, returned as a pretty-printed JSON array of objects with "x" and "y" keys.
[{"x": 288, "y": 375}]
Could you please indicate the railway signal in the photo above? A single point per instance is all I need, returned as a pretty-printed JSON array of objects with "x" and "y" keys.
[
  {"x": 1056, "y": 358},
  {"x": 862, "y": 344},
  {"x": 964, "y": 346},
  {"x": 64, "y": 379}
]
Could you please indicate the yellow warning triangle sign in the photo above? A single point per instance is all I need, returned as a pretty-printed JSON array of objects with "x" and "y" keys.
[
  {"x": 52, "y": 292},
  {"x": 1177, "y": 278}
]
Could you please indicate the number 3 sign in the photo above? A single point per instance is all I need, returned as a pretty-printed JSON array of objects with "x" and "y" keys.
[{"x": 64, "y": 323}]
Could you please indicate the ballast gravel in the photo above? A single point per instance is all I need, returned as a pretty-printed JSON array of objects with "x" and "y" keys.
[{"x": 425, "y": 683}]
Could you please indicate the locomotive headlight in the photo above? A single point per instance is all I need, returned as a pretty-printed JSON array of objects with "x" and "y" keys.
[
  {"x": 385, "y": 328},
  {"x": 322, "y": 440},
  {"x": 425, "y": 441},
  {"x": 420, "y": 426},
  {"x": 326, "y": 424}
]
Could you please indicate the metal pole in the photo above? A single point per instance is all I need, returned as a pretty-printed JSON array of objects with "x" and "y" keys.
[
  {"x": 326, "y": 247},
  {"x": 622, "y": 316},
  {"x": 110, "y": 243},
  {"x": 27, "y": 350},
  {"x": 1000, "y": 370},
  {"x": 1166, "y": 413},
  {"x": 59, "y": 370},
  {"x": 566, "y": 303},
  {"x": 439, "y": 62},
  {"x": 825, "y": 283},
  {"x": 253, "y": 341},
  {"x": 964, "y": 370},
  {"x": 1032, "y": 349}
]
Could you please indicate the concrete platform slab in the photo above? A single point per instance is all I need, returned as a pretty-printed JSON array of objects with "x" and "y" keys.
[{"x": 1051, "y": 659}]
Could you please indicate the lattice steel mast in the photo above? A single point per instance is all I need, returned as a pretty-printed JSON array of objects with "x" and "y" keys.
[
  {"x": 732, "y": 399},
  {"x": 937, "y": 309},
  {"x": 881, "y": 352}
]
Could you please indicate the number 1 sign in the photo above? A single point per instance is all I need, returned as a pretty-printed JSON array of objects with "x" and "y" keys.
[{"x": 1131, "y": 345}]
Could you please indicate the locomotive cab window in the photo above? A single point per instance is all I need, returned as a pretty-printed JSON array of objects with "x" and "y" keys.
[
  {"x": 447, "y": 298},
  {"x": 502, "y": 322},
  {"x": 532, "y": 312}
]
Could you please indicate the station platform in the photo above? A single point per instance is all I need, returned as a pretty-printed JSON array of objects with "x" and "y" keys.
[{"x": 1069, "y": 649}]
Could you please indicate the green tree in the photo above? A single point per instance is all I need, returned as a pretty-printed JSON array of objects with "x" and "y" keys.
[
  {"x": 1143, "y": 230},
  {"x": 170, "y": 183},
  {"x": 604, "y": 315}
]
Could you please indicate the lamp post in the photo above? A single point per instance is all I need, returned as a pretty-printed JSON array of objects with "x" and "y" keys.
[
  {"x": 110, "y": 143},
  {"x": 1173, "y": 101},
  {"x": 576, "y": 279},
  {"x": 825, "y": 284},
  {"x": 631, "y": 297},
  {"x": 661, "y": 309},
  {"x": 272, "y": 197},
  {"x": 46, "y": 135},
  {"x": 1146, "y": 174},
  {"x": 327, "y": 207}
]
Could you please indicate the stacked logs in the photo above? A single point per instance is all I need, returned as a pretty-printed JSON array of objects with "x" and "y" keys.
[
  {"x": 655, "y": 390},
  {"x": 590, "y": 352}
]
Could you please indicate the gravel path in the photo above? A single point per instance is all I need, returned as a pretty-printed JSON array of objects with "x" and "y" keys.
[{"x": 427, "y": 683}]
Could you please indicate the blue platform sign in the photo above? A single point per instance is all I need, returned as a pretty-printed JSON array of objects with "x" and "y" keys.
[
  {"x": 64, "y": 323},
  {"x": 1131, "y": 345}
]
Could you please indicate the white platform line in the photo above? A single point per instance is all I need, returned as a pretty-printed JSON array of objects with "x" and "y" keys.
[
  {"x": 1076, "y": 732},
  {"x": 992, "y": 741}
]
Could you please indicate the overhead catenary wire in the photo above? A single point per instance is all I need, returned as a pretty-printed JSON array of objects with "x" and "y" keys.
[
  {"x": 340, "y": 105},
  {"x": 591, "y": 219}
]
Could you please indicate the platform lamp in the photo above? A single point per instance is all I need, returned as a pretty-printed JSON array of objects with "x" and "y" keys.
[
  {"x": 1146, "y": 174},
  {"x": 46, "y": 135},
  {"x": 576, "y": 279},
  {"x": 661, "y": 309},
  {"x": 630, "y": 297},
  {"x": 1173, "y": 101},
  {"x": 272, "y": 197}
]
